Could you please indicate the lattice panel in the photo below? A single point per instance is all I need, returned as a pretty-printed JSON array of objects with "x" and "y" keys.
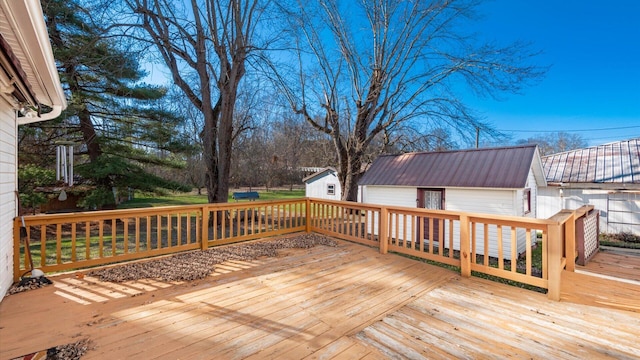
[{"x": 590, "y": 235}]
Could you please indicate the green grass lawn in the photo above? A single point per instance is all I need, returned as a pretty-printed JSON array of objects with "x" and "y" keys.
[{"x": 150, "y": 200}]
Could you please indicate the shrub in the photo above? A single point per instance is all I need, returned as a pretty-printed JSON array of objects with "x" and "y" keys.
[{"x": 624, "y": 239}]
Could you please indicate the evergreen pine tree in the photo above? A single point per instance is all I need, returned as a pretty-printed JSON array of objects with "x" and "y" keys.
[{"x": 120, "y": 122}]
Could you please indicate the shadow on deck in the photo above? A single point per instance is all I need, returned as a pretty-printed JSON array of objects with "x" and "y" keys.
[{"x": 345, "y": 302}]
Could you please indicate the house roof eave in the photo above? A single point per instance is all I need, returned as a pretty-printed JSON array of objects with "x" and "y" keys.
[
  {"x": 29, "y": 41},
  {"x": 318, "y": 174}
]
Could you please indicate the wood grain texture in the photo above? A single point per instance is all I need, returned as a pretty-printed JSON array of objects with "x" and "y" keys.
[
  {"x": 347, "y": 302},
  {"x": 615, "y": 263}
]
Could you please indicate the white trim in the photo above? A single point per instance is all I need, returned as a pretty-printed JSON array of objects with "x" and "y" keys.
[
  {"x": 320, "y": 173},
  {"x": 32, "y": 117},
  {"x": 538, "y": 169},
  {"x": 25, "y": 17}
]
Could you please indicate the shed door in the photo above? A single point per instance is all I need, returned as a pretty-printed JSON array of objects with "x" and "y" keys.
[{"x": 430, "y": 199}]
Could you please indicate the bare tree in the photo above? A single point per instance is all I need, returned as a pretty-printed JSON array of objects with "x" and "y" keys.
[
  {"x": 552, "y": 143},
  {"x": 367, "y": 67},
  {"x": 205, "y": 44},
  {"x": 412, "y": 138}
]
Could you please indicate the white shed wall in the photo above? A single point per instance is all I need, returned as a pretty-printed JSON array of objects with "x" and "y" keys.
[
  {"x": 488, "y": 201},
  {"x": 391, "y": 195},
  {"x": 533, "y": 185},
  {"x": 619, "y": 210},
  {"x": 8, "y": 186},
  {"x": 317, "y": 187},
  {"x": 623, "y": 213},
  {"x": 506, "y": 202}
]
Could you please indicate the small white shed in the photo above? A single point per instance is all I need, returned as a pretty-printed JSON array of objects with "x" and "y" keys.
[
  {"x": 501, "y": 181},
  {"x": 606, "y": 176},
  {"x": 323, "y": 184},
  {"x": 28, "y": 79}
]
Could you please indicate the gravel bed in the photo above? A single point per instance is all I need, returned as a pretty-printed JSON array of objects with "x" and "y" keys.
[
  {"x": 28, "y": 283},
  {"x": 73, "y": 351},
  {"x": 200, "y": 264}
]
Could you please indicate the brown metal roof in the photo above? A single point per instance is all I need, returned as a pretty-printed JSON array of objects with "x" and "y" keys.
[
  {"x": 505, "y": 167},
  {"x": 617, "y": 162}
]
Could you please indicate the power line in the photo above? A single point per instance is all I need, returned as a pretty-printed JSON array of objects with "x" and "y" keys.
[
  {"x": 575, "y": 130},
  {"x": 612, "y": 137}
]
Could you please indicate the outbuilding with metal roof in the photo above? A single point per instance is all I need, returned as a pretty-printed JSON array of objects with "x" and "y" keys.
[
  {"x": 606, "y": 176},
  {"x": 500, "y": 181}
]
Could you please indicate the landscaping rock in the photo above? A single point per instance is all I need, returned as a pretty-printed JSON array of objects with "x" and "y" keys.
[
  {"x": 72, "y": 351},
  {"x": 28, "y": 283},
  {"x": 200, "y": 264}
]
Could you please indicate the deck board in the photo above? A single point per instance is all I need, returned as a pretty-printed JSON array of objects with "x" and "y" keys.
[
  {"x": 611, "y": 279},
  {"x": 449, "y": 321},
  {"x": 615, "y": 263},
  {"x": 347, "y": 302}
]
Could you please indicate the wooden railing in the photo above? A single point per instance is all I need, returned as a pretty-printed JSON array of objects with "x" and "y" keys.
[
  {"x": 235, "y": 222},
  {"x": 529, "y": 251},
  {"x": 346, "y": 220},
  {"x": 76, "y": 240},
  {"x": 526, "y": 250}
]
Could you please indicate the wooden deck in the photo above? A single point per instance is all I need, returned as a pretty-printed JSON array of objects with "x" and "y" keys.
[
  {"x": 619, "y": 263},
  {"x": 611, "y": 279},
  {"x": 348, "y": 302}
]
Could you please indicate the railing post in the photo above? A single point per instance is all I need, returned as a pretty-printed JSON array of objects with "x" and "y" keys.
[
  {"x": 570, "y": 242},
  {"x": 383, "y": 230},
  {"x": 204, "y": 237},
  {"x": 16, "y": 250},
  {"x": 465, "y": 246},
  {"x": 554, "y": 257},
  {"x": 307, "y": 227}
]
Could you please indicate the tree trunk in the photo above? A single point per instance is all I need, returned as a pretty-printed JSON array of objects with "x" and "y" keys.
[
  {"x": 210, "y": 157},
  {"x": 89, "y": 135},
  {"x": 225, "y": 142},
  {"x": 349, "y": 181}
]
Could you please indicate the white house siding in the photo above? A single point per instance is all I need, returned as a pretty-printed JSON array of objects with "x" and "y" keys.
[
  {"x": 487, "y": 201},
  {"x": 619, "y": 210},
  {"x": 8, "y": 183},
  {"x": 317, "y": 187}
]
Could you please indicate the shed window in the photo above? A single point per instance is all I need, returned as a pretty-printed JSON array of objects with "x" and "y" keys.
[
  {"x": 331, "y": 189},
  {"x": 527, "y": 201}
]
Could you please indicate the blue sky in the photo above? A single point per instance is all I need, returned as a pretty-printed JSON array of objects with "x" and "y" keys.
[
  {"x": 593, "y": 48},
  {"x": 593, "y": 85}
]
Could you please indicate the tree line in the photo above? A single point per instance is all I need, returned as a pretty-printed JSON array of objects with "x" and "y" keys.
[{"x": 258, "y": 88}]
